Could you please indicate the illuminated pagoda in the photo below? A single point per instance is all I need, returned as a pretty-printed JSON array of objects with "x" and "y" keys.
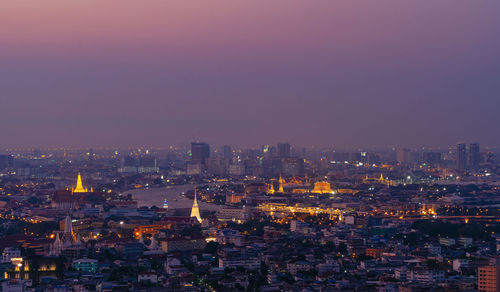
[
  {"x": 79, "y": 186},
  {"x": 281, "y": 182},
  {"x": 195, "y": 210},
  {"x": 271, "y": 189}
]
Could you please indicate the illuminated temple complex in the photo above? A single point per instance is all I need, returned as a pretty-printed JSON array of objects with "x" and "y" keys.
[
  {"x": 380, "y": 180},
  {"x": 322, "y": 187},
  {"x": 66, "y": 243}
]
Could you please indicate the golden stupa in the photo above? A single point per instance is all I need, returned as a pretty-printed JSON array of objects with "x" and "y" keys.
[
  {"x": 79, "y": 186},
  {"x": 271, "y": 189},
  {"x": 281, "y": 182}
]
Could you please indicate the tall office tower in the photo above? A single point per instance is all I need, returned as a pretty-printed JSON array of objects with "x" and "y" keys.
[
  {"x": 227, "y": 152},
  {"x": 199, "y": 153},
  {"x": 269, "y": 151},
  {"x": 148, "y": 164},
  {"x": 474, "y": 156},
  {"x": 461, "y": 157},
  {"x": 403, "y": 155},
  {"x": 283, "y": 150},
  {"x": 6, "y": 161},
  {"x": 432, "y": 158}
]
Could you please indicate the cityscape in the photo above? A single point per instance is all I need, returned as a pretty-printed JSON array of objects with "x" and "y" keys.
[
  {"x": 275, "y": 146},
  {"x": 276, "y": 218}
]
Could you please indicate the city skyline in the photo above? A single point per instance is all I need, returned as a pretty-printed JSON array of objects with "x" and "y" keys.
[
  {"x": 285, "y": 145},
  {"x": 334, "y": 73},
  {"x": 218, "y": 147}
]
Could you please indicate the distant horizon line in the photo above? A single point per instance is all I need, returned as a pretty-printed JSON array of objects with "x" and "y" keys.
[{"x": 244, "y": 147}]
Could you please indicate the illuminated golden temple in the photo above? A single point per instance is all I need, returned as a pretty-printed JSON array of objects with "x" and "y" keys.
[
  {"x": 380, "y": 180},
  {"x": 322, "y": 187},
  {"x": 79, "y": 186}
]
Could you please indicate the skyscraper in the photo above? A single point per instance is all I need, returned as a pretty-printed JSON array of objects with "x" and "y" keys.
[
  {"x": 403, "y": 155},
  {"x": 474, "y": 156},
  {"x": 6, "y": 161},
  {"x": 199, "y": 153},
  {"x": 432, "y": 158},
  {"x": 283, "y": 150},
  {"x": 461, "y": 157},
  {"x": 227, "y": 152}
]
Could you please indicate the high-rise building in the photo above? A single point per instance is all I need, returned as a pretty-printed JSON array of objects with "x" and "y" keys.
[
  {"x": 148, "y": 164},
  {"x": 199, "y": 152},
  {"x": 488, "y": 278},
  {"x": 143, "y": 164},
  {"x": 432, "y": 158},
  {"x": 227, "y": 152},
  {"x": 284, "y": 150},
  {"x": 269, "y": 151},
  {"x": 474, "y": 156},
  {"x": 461, "y": 157},
  {"x": 6, "y": 161},
  {"x": 292, "y": 166},
  {"x": 403, "y": 155}
]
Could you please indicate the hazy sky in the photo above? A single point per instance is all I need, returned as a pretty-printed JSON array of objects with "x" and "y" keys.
[{"x": 158, "y": 72}]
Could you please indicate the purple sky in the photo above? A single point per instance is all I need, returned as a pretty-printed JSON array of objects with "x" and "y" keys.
[{"x": 344, "y": 73}]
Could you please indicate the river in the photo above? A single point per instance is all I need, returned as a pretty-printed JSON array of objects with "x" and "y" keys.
[{"x": 173, "y": 195}]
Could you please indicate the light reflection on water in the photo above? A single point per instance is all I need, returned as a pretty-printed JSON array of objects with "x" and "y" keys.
[{"x": 155, "y": 196}]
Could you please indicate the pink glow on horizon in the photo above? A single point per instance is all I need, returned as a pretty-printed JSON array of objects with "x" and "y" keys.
[{"x": 81, "y": 64}]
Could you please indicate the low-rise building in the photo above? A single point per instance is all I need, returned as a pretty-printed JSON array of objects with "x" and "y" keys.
[{"x": 85, "y": 265}]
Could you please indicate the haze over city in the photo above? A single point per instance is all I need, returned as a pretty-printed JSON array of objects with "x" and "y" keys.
[
  {"x": 250, "y": 145},
  {"x": 322, "y": 73}
]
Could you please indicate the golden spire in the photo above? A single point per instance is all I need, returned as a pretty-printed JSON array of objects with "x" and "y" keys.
[
  {"x": 271, "y": 190},
  {"x": 79, "y": 186},
  {"x": 280, "y": 190}
]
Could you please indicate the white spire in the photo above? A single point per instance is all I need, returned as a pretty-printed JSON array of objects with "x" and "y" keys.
[
  {"x": 153, "y": 245},
  {"x": 68, "y": 237},
  {"x": 68, "y": 228},
  {"x": 58, "y": 240},
  {"x": 56, "y": 247},
  {"x": 195, "y": 211},
  {"x": 78, "y": 241}
]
